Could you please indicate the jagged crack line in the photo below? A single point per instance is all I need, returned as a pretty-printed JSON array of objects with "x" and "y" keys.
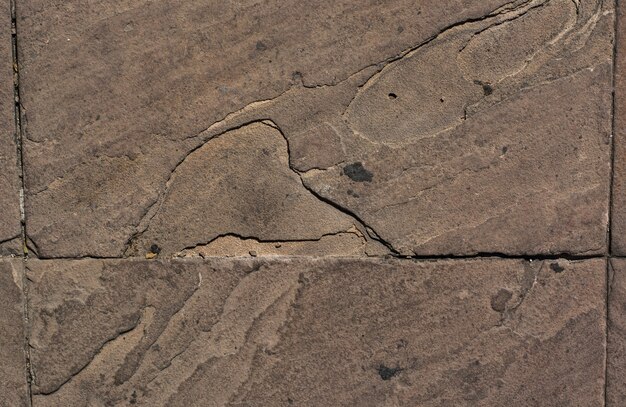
[
  {"x": 61, "y": 385},
  {"x": 148, "y": 216},
  {"x": 410, "y": 51},
  {"x": 259, "y": 240},
  {"x": 380, "y": 64},
  {"x": 330, "y": 202}
]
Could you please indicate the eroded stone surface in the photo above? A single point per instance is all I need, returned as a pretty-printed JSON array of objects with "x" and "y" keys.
[
  {"x": 317, "y": 332},
  {"x": 391, "y": 120},
  {"x": 349, "y": 243},
  {"x": 618, "y": 218},
  {"x": 616, "y": 360},
  {"x": 466, "y": 144},
  {"x": 10, "y": 228},
  {"x": 238, "y": 183},
  {"x": 472, "y": 147},
  {"x": 13, "y": 368}
]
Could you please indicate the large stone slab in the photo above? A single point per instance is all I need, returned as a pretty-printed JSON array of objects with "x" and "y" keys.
[
  {"x": 273, "y": 332},
  {"x": 618, "y": 218},
  {"x": 10, "y": 218},
  {"x": 452, "y": 127},
  {"x": 13, "y": 368}
]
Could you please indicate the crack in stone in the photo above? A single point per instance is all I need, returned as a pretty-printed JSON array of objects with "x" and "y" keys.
[
  {"x": 516, "y": 8},
  {"x": 258, "y": 240},
  {"x": 407, "y": 53},
  {"x": 379, "y": 65},
  {"x": 154, "y": 209},
  {"x": 120, "y": 333},
  {"x": 10, "y": 239},
  {"x": 507, "y": 20}
]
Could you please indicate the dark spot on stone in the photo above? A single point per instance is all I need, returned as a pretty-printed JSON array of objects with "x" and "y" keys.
[
  {"x": 442, "y": 100},
  {"x": 352, "y": 193},
  {"x": 133, "y": 397},
  {"x": 155, "y": 249},
  {"x": 498, "y": 301},
  {"x": 265, "y": 151},
  {"x": 400, "y": 29},
  {"x": 505, "y": 149},
  {"x": 487, "y": 88},
  {"x": 387, "y": 373},
  {"x": 255, "y": 267},
  {"x": 297, "y": 76},
  {"x": 356, "y": 172},
  {"x": 392, "y": 96},
  {"x": 260, "y": 46},
  {"x": 289, "y": 400},
  {"x": 557, "y": 268}
]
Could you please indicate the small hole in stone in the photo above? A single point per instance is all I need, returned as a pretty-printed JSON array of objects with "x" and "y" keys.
[{"x": 392, "y": 96}]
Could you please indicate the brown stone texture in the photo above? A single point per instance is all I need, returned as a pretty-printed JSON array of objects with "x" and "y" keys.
[
  {"x": 618, "y": 219},
  {"x": 616, "y": 361},
  {"x": 10, "y": 226},
  {"x": 13, "y": 385},
  {"x": 442, "y": 127},
  {"x": 292, "y": 331},
  {"x": 320, "y": 203}
]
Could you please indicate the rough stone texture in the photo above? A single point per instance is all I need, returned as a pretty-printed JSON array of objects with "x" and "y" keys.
[
  {"x": 238, "y": 184},
  {"x": 454, "y": 126},
  {"x": 618, "y": 218},
  {"x": 616, "y": 369},
  {"x": 10, "y": 227},
  {"x": 248, "y": 332},
  {"x": 13, "y": 386},
  {"x": 465, "y": 144},
  {"x": 351, "y": 243}
]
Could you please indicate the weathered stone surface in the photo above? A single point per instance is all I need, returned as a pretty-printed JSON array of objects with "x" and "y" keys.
[
  {"x": 618, "y": 218},
  {"x": 616, "y": 351},
  {"x": 250, "y": 332},
  {"x": 391, "y": 112},
  {"x": 13, "y": 386},
  {"x": 10, "y": 228},
  {"x": 238, "y": 183},
  {"x": 349, "y": 243},
  {"x": 465, "y": 144},
  {"x": 477, "y": 181}
]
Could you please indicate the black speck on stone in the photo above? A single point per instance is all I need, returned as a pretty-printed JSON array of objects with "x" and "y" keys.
[
  {"x": 557, "y": 268},
  {"x": 356, "y": 172},
  {"x": 155, "y": 249},
  {"x": 260, "y": 46},
  {"x": 387, "y": 373}
]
